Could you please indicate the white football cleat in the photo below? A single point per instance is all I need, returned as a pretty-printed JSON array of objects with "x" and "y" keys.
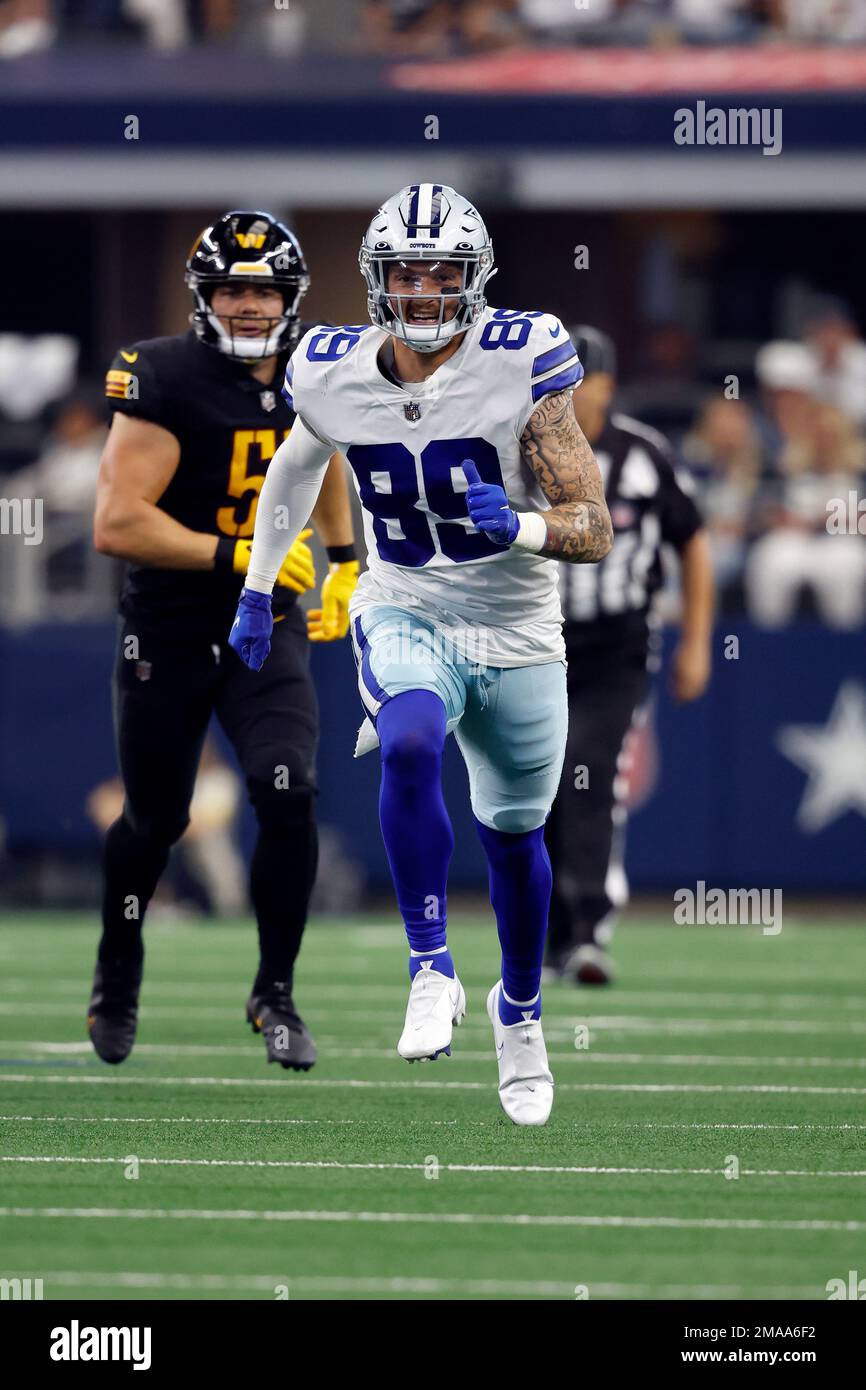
[
  {"x": 436, "y": 1003},
  {"x": 525, "y": 1082}
]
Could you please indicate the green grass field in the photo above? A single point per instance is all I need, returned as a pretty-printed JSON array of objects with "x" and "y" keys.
[{"x": 716, "y": 1043}]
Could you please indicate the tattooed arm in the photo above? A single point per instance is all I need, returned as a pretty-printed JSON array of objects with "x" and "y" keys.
[{"x": 555, "y": 448}]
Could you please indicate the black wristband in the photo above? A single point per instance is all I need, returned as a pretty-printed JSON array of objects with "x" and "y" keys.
[
  {"x": 341, "y": 554},
  {"x": 224, "y": 558}
]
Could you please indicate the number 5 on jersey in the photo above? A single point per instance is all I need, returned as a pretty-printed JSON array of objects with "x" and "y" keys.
[{"x": 246, "y": 482}]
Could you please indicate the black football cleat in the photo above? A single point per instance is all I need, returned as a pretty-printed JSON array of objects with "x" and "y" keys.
[
  {"x": 272, "y": 1013},
  {"x": 112, "y": 1015}
]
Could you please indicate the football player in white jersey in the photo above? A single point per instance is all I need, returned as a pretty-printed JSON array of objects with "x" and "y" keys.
[{"x": 473, "y": 475}]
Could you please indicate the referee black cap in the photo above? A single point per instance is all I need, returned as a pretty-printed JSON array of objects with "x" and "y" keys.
[{"x": 595, "y": 349}]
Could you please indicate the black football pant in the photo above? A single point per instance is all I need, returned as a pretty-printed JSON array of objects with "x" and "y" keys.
[
  {"x": 165, "y": 690},
  {"x": 606, "y": 684}
]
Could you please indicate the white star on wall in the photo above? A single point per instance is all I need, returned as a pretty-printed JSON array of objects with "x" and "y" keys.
[{"x": 833, "y": 756}]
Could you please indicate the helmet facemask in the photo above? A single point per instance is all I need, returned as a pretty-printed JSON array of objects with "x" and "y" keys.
[
  {"x": 281, "y": 333},
  {"x": 388, "y": 310}
]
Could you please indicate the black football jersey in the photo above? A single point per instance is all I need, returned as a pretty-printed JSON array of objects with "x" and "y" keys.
[
  {"x": 651, "y": 505},
  {"x": 229, "y": 426}
]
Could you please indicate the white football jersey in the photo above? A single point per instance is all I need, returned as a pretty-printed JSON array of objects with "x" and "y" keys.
[{"x": 499, "y": 605}]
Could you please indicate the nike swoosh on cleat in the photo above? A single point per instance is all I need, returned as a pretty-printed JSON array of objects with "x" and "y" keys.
[
  {"x": 129, "y": 356},
  {"x": 555, "y": 332},
  {"x": 499, "y": 1051}
]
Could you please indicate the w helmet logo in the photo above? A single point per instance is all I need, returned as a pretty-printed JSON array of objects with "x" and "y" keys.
[{"x": 250, "y": 241}]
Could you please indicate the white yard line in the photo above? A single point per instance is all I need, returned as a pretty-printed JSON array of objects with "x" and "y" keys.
[
  {"x": 555, "y": 1023},
  {"x": 259, "y": 1120},
  {"x": 355, "y": 1083},
  {"x": 583, "y": 1056},
  {"x": 554, "y": 996},
  {"x": 592, "y": 1170},
  {"x": 721, "y": 1124},
  {"x": 433, "y": 1218},
  {"x": 201, "y": 1120},
  {"x": 544, "y": 1288}
]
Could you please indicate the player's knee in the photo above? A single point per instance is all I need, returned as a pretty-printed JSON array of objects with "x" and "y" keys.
[
  {"x": 412, "y": 755},
  {"x": 514, "y": 821},
  {"x": 281, "y": 807},
  {"x": 512, "y": 829},
  {"x": 413, "y": 758},
  {"x": 519, "y": 820},
  {"x": 166, "y": 828}
]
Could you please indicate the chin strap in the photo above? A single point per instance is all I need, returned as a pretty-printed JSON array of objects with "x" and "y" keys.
[
  {"x": 420, "y": 345},
  {"x": 233, "y": 346}
]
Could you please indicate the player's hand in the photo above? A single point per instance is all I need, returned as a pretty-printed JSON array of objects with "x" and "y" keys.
[
  {"x": 690, "y": 673},
  {"x": 298, "y": 571},
  {"x": 331, "y": 621},
  {"x": 488, "y": 507},
  {"x": 251, "y": 630}
]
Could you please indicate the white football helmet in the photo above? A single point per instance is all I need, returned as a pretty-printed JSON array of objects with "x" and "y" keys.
[{"x": 426, "y": 222}]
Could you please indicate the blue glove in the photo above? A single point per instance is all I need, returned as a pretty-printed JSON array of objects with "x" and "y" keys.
[
  {"x": 251, "y": 630},
  {"x": 488, "y": 507}
]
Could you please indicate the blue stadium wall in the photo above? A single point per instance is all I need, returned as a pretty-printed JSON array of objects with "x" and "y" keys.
[{"x": 720, "y": 799}]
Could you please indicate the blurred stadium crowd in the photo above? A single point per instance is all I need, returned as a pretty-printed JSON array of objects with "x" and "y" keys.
[
  {"x": 426, "y": 27},
  {"x": 774, "y": 452}
]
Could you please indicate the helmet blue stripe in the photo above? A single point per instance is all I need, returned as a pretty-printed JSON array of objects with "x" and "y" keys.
[
  {"x": 412, "y": 225},
  {"x": 436, "y": 211}
]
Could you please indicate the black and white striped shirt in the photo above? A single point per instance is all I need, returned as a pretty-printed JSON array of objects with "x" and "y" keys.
[{"x": 650, "y": 505}]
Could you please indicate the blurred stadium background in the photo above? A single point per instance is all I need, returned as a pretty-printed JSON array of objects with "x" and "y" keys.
[{"x": 731, "y": 281}]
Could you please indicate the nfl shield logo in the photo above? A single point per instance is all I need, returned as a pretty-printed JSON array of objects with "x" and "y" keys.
[
  {"x": 412, "y": 411},
  {"x": 268, "y": 400},
  {"x": 143, "y": 670}
]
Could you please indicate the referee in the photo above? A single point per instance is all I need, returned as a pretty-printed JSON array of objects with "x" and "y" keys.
[{"x": 609, "y": 631}]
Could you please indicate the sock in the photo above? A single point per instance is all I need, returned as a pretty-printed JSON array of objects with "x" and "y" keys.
[
  {"x": 133, "y": 865},
  {"x": 520, "y": 886},
  {"x": 513, "y": 1011},
  {"x": 282, "y": 875},
  {"x": 440, "y": 960},
  {"x": 415, "y": 825}
]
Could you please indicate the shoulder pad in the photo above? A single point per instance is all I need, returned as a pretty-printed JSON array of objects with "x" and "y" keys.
[{"x": 538, "y": 340}]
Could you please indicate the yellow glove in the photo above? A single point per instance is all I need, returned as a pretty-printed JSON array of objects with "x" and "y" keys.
[
  {"x": 331, "y": 621},
  {"x": 297, "y": 572}
]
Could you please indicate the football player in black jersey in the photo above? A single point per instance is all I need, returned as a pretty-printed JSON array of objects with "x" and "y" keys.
[
  {"x": 196, "y": 419},
  {"x": 608, "y": 635}
]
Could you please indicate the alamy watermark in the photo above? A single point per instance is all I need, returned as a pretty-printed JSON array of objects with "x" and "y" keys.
[
  {"x": 716, "y": 907},
  {"x": 21, "y": 1290},
  {"x": 846, "y": 516},
  {"x": 851, "y": 1288},
  {"x": 738, "y": 125},
  {"x": 412, "y": 646},
  {"x": 22, "y": 516},
  {"x": 77, "y": 1343}
]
